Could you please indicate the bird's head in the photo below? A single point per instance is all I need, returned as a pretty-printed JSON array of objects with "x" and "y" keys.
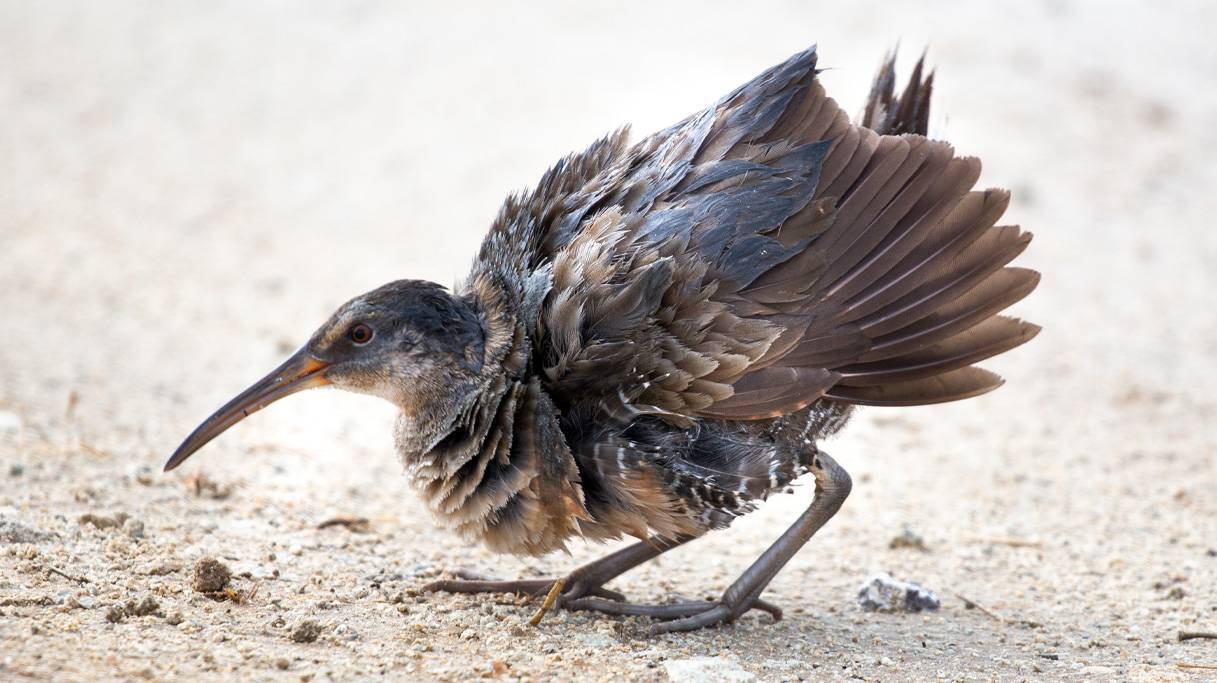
[{"x": 409, "y": 342}]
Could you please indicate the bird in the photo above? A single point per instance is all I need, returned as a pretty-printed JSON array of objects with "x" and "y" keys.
[{"x": 660, "y": 335}]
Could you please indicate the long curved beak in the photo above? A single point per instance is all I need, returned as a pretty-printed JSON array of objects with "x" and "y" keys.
[{"x": 297, "y": 373}]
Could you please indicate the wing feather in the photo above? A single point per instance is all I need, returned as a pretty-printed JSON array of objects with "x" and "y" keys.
[{"x": 766, "y": 253}]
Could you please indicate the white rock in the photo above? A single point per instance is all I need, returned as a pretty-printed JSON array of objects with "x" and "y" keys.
[
  {"x": 596, "y": 641},
  {"x": 882, "y": 593},
  {"x": 10, "y": 422},
  {"x": 709, "y": 669}
]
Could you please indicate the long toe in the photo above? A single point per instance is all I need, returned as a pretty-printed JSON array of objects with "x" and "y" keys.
[
  {"x": 523, "y": 587},
  {"x": 713, "y": 616},
  {"x": 678, "y": 616},
  {"x": 472, "y": 583}
]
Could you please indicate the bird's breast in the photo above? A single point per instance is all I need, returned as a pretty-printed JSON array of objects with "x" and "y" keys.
[{"x": 504, "y": 474}]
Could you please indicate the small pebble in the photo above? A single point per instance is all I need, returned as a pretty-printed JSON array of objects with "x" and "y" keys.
[
  {"x": 10, "y": 422},
  {"x": 282, "y": 664},
  {"x": 163, "y": 568},
  {"x": 882, "y": 593},
  {"x": 99, "y": 521},
  {"x": 16, "y": 470},
  {"x": 908, "y": 539},
  {"x": 133, "y": 528},
  {"x": 146, "y": 607}
]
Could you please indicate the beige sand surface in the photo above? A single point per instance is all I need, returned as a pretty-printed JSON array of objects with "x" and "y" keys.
[{"x": 187, "y": 189}]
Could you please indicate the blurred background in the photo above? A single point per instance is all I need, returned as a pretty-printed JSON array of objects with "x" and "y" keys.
[{"x": 188, "y": 189}]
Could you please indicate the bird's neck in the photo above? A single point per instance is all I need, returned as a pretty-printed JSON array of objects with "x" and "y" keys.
[
  {"x": 499, "y": 451},
  {"x": 505, "y": 350}
]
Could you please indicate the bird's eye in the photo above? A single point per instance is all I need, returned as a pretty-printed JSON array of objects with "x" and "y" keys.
[{"x": 360, "y": 334}]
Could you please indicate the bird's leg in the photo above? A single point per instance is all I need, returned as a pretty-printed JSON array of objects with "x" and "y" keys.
[
  {"x": 832, "y": 487},
  {"x": 583, "y": 582}
]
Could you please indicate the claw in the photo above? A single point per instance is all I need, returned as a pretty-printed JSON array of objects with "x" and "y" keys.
[{"x": 555, "y": 592}]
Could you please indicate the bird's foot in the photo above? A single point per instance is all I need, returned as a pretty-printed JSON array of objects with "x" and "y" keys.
[
  {"x": 576, "y": 587},
  {"x": 679, "y": 616},
  {"x": 584, "y": 593}
]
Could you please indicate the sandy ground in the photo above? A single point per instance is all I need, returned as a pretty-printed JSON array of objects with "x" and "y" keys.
[{"x": 187, "y": 189}]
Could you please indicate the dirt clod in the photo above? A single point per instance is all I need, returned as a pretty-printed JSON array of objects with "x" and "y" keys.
[
  {"x": 205, "y": 487},
  {"x": 306, "y": 632},
  {"x": 908, "y": 539},
  {"x": 103, "y": 521},
  {"x": 146, "y": 607},
  {"x": 210, "y": 576},
  {"x": 359, "y": 525}
]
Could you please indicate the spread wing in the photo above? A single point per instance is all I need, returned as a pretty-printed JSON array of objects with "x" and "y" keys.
[{"x": 765, "y": 253}]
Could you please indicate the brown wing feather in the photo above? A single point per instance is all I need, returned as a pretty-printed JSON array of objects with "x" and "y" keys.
[{"x": 951, "y": 386}]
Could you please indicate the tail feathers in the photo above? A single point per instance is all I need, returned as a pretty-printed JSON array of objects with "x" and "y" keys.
[
  {"x": 887, "y": 115},
  {"x": 925, "y": 286}
]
